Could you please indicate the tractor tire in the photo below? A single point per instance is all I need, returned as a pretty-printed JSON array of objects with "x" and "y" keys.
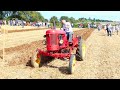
[
  {"x": 72, "y": 64},
  {"x": 36, "y": 62},
  {"x": 80, "y": 52}
]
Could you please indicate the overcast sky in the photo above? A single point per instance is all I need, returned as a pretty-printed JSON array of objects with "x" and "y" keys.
[{"x": 106, "y": 15}]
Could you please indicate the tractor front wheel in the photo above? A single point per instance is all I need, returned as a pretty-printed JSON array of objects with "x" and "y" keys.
[
  {"x": 72, "y": 63},
  {"x": 35, "y": 61}
]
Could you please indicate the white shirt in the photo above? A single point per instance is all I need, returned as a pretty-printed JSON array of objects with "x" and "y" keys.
[
  {"x": 116, "y": 28},
  {"x": 109, "y": 27},
  {"x": 67, "y": 27}
]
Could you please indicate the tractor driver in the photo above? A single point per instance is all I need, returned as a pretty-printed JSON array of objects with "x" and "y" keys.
[{"x": 68, "y": 29}]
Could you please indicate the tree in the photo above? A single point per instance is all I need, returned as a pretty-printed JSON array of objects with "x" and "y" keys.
[
  {"x": 22, "y": 15},
  {"x": 1, "y": 15},
  {"x": 80, "y": 19},
  {"x": 64, "y": 18},
  {"x": 72, "y": 20},
  {"x": 77, "y": 21},
  {"x": 54, "y": 19},
  {"x": 89, "y": 19},
  {"x": 46, "y": 20}
]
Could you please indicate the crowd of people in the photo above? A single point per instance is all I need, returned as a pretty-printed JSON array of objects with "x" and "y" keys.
[
  {"x": 109, "y": 29},
  {"x": 112, "y": 28},
  {"x": 16, "y": 22}
]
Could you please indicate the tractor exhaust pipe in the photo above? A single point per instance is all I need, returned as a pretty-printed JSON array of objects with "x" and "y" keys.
[{"x": 54, "y": 25}]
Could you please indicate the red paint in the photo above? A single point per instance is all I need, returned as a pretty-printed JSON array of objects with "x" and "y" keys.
[{"x": 53, "y": 46}]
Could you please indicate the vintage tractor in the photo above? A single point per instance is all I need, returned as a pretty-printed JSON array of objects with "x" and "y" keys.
[{"x": 57, "y": 46}]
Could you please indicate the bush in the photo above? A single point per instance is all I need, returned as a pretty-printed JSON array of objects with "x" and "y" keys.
[{"x": 75, "y": 25}]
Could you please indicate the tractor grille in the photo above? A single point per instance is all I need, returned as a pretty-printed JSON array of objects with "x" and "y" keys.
[{"x": 53, "y": 39}]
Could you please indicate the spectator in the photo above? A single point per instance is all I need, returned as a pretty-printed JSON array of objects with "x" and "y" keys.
[
  {"x": 99, "y": 27},
  {"x": 88, "y": 26},
  {"x": 3, "y": 22},
  {"x": 40, "y": 24},
  {"x": 45, "y": 24},
  {"x": 22, "y": 24},
  {"x": 109, "y": 31},
  {"x": 78, "y": 25},
  {"x": 48, "y": 25},
  {"x": 105, "y": 28},
  {"x": 81, "y": 25},
  {"x": 72, "y": 25},
  {"x": 113, "y": 29},
  {"x": 10, "y": 22},
  {"x": 117, "y": 28},
  {"x": 16, "y": 22},
  {"x": 0, "y": 23},
  {"x": 13, "y": 22}
]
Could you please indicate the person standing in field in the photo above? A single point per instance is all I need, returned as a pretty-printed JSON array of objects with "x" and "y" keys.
[
  {"x": 113, "y": 29},
  {"x": 22, "y": 24},
  {"x": 48, "y": 25},
  {"x": 88, "y": 26},
  {"x": 99, "y": 27},
  {"x": 4, "y": 22},
  {"x": 117, "y": 28},
  {"x": 0, "y": 23},
  {"x": 109, "y": 31},
  {"x": 72, "y": 25},
  {"x": 13, "y": 22},
  {"x": 105, "y": 28},
  {"x": 16, "y": 22}
]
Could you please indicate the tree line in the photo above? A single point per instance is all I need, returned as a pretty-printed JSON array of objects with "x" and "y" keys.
[{"x": 33, "y": 16}]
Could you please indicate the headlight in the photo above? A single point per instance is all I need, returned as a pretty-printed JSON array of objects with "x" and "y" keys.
[{"x": 61, "y": 41}]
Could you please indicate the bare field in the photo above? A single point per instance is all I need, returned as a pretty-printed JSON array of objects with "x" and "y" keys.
[
  {"x": 101, "y": 60},
  {"x": 17, "y": 41},
  {"x": 7, "y": 27},
  {"x": 21, "y": 53}
]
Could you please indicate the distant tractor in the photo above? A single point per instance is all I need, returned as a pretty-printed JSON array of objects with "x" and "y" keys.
[{"x": 57, "y": 46}]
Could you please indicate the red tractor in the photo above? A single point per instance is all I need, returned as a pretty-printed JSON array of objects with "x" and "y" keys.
[{"x": 57, "y": 46}]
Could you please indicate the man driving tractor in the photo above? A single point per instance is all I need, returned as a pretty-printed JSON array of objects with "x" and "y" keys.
[
  {"x": 68, "y": 29},
  {"x": 61, "y": 44}
]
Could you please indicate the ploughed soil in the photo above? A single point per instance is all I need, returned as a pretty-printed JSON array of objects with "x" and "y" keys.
[{"x": 21, "y": 54}]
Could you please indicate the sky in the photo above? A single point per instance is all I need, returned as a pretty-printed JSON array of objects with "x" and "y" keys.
[{"x": 105, "y": 15}]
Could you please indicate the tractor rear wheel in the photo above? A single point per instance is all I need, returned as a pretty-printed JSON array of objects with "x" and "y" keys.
[
  {"x": 72, "y": 63},
  {"x": 35, "y": 61},
  {"x": 80, "y": 52}
]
